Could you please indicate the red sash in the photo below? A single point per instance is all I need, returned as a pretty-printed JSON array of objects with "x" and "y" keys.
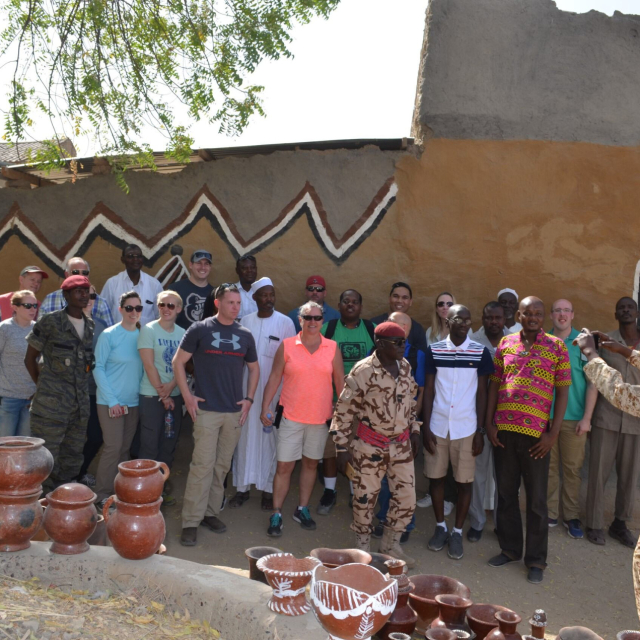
[{"x": 368, "y": 435}]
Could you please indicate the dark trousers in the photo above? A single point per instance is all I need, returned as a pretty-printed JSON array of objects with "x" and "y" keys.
[
  {"x": 94, "y": 438},
  {"x": 513, "y": 463},
  {"x": 153, "y": 444}
]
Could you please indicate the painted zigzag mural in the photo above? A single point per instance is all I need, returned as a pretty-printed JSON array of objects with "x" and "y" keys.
[{"x": 105, "y": 223}]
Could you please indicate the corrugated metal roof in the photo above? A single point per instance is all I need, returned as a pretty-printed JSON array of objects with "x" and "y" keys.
[{"x": 11, "y": 154}]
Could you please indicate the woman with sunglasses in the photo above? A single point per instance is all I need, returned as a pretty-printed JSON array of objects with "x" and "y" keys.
[
  {"x": 16, "y": 385},
  {"x": 438, "y": 329},
  {"x": 118, "y": 372}
]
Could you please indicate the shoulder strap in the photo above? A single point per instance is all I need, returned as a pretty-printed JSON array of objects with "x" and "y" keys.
[
  {"x": 331, "y": 329},
  {"x": 370, "y": 329}
]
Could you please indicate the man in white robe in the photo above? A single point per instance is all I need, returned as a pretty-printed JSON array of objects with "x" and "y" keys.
[{"x": 254, "y": 461}]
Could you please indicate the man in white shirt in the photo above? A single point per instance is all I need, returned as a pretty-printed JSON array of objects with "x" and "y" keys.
[
  {"x": 133, "y": 279},
  {"x": 508, "y": 298},
  {"x": 247, "y": 270}
]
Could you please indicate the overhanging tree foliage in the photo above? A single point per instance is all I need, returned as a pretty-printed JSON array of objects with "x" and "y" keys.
[{"x": 108, "y": 67}]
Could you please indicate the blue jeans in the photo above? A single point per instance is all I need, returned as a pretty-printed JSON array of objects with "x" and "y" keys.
[
  {"x": 14, "y": 417},
  {"x": 383, "y": 502}
]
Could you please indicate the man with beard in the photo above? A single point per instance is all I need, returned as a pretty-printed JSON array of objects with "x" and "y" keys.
[
  {"x": 508, "y": 298},
  {"x": 247, "y": 270},
  {"x": 254, "y": 460},
  {"x": 194, "y": 289},
  {"x": 315, "y": 291}
]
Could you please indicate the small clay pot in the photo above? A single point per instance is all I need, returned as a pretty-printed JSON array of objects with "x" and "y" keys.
[
  {"x": 482, "y": 618},
  {"x": 628, "y": 635},
  {"x": 440, "y": 634},
  {"x": 288, "y": 576},
  {"x": 20, "y": 519},
  {"x": 452, "y": 613},
  {"x": 403, "y": 619},
  {"x": 538, "y": 622},
  {"x": 332, "y": 558},
  {"x": 378, "y": 561},
  {"x": 140, "y": 481},
  {"x": 70, "y": 518},
  {"x": 135, "y": 531},
  {"x": 24, "y": 465},
  {"x": 396, "y": 635},
  {"x": 254, "y": 554},
  {"x": 508, "y": 622}
]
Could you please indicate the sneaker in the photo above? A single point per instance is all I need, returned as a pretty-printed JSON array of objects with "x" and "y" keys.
[
  {"x": 500, "y": 560},
  {"x": 378, "y": 530},
  {"x": 424, "y": 502},
  {"x": 327, "y": 502},
  {"x": 455, "y": 546},
  {"x": 404, "y": 538},
  {"x": 448, "y": 508},
  {"x": 574, "y": 528},
  {"x": 275, "y": 525},
  {"x": 438, "y": 539},
  {"x": 224, "y": 502},
  {"x": 88, "y": 479},
  {"x": 303, "y": 518},
  {"x": 474, "y": 535},
  {"x": 553, "y": 522},
  {"x": 535, "y": 575}
]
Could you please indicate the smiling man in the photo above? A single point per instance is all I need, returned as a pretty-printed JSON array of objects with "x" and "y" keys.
[
  {"x": 194, "y": 289},
  {"x": 315, "y": 290},
  {"x": 508, "y": 298},
  {"x": 30, "y": 279},
  {"x": 247, "y": 270}
]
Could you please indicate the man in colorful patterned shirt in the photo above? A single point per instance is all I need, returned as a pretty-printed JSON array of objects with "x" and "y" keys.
[{"x": 529, "y": 365}]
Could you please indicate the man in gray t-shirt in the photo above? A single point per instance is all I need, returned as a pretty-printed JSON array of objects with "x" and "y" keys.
[{"x": 220, "y": 348}]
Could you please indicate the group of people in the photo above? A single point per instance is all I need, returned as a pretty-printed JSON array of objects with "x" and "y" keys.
[{"x": 505, "y": 405}]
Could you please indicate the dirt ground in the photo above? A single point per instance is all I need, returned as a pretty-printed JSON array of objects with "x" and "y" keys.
[{"x": 583, "y": 584}]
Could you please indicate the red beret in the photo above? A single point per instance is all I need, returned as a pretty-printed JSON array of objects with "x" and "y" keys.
[
  {"x": 75, "y": 282},
  {"x": 316, "y": 280},
  {"x": 389, "y": 330}
]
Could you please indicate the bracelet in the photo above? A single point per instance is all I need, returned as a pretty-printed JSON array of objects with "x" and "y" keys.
[
  {"x": 249, "y": 399},
  {"x": 341, "y": 450}
]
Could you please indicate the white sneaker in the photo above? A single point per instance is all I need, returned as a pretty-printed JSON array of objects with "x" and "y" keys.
[
  {"x": 424, "y": 502},
  {"x": 448, "y": 507}
]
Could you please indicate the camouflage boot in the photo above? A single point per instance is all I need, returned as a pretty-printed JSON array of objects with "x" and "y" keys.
[
  {"x": 362, "y": 541},
  {"x": 391, "y": 546}
]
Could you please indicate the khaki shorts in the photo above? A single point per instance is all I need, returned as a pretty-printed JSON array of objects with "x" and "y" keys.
[
  {"x": 297, "y": 439},
  {"x": 460, "y": 454}
]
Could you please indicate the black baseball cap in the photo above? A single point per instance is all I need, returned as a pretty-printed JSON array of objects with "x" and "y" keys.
[{"x": 201, "y": 254}]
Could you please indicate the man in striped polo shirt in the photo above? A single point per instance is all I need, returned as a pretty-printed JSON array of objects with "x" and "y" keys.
[{"x": 454, "y": 406}]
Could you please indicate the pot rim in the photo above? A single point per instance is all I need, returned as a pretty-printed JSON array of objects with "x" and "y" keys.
[
  {"x": 135, "y": 505},
  {"x": 494, "y": 622},
  {"x": 66, "y": 504},
  {"x": 261, "y": 564},
  {"x": 432, "y": 601},
  {"x": 151, "y": 466},
  {"x": 11, "y": 443},
  {"x": 10, "y": 495}
]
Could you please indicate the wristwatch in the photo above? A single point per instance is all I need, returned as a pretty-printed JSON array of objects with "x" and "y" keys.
[
  {"x": 249, "y": 399},
  {"x": 482, "y": 431}
]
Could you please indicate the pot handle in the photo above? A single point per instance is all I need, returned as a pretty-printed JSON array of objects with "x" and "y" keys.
[
  {"x": 105, "y": 509},
  {"x": 165, "y": 470}
]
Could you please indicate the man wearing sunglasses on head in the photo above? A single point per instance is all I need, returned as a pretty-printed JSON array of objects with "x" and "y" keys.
[
  {"x": 30, "y": 279},
  {"x": 315, "y": 291},
  {"x": 55, "y": 301}
]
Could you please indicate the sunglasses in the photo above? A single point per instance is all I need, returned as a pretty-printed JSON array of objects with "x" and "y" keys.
[
  {"x": 170, "y": 305},
  {"x": 27, "y": 305},
  {"x": 77, "y": 272},
  {"x": 399, "y": 342},
  {"x": 93, "y": 296},
  {"x": 129, "y": 308},
  {"x": 442, "y": 303},
  {"x": 318, "y": 289},
  {"x": 310, "y": 318}
]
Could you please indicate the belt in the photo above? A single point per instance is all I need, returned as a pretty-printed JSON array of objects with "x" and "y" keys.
[{"x": 372, "y": 437}]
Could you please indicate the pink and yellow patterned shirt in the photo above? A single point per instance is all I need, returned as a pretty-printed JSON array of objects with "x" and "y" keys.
[{"x": 527, "y": 380}]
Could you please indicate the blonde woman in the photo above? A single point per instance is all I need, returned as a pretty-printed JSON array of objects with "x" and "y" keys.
[{"x": 438, "y": 329}]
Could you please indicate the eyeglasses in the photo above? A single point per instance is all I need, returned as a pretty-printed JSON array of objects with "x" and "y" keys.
[
  {"x": 442, "y": 303},
  {"x": 77, "y": 272},
  {"x": 93, "y": 296},
  {"x": 129, "y": 308},
  {"x": 317, "y": 289},
  {"x": 561, "y": 310},
  {"x": 310, "y": 318},
  {"x": 399, "y": 342},
  {"x": 462, "y": 321},
  {"x": 225, "y": 286},
  {"x": 170, "y": 305},
  {"x": 27, "y": 305}
]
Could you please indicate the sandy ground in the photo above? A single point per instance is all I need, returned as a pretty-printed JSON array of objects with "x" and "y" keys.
[{"x": 583, "y": 584}]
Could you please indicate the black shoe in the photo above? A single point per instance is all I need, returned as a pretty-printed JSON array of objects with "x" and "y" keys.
[
  {"x": 474, "y": 535},
  {"x": 378, "y": 530},
  {"x": 619, "y": 531},
  {"x": 215, "y": 524},
  {"x": 404, "y": 538},
  {"x": 535, "y": 575},
  {"x": 327, "y": 502},
  {"x": 438, "y": 539},
  {"x": 303, "y": 518},
  {"x": 455, "y": 546},
  {"x": 189, "y": 537},
  {"x": 500, "y": 560},
  {"x": 275, "y": 526}
]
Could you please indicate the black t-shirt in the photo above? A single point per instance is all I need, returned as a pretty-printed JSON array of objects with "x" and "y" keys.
[{"x": 193, "y": 298}]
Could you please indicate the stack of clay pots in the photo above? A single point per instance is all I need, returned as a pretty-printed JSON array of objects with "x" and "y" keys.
[
  {"x": 136, "y": 529},
  {"x": 24, "y": 465}
]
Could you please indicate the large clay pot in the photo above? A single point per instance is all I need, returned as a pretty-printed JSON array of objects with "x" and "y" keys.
[
  {"x": 24, "y": 465},
  {"x": 70, "y": 518},
  {"x": 403, "y": 619},
  {"x": 140, "y": 481},
  {"x": 288, "y": 576},
  {"x": 254, "y": 554},
  {"x": 452, "y": 611},
  {"x": 332, "y": 558},
  {"x": 352, "y": 602},
  {"x": 508, "y": 622},
  {"x": 136, "y": 531},
  {"x": 20, "y": 519},
  {"x": 423, "y": 597},
  {"x": 482, "y": 618}
]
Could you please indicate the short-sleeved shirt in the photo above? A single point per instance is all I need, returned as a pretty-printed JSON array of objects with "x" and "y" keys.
[
  {"x": 578, "y": 389},
  {"x": 527, "y": 381},
  {"x": 164, "y": 345},
  {"x": 219, "y": 353},
  {"x": 193, "y": 298},
  {"x": 456, "y": 369},
  {"x": 15, "y": 381},
  {"x": 354, "y": 344}
]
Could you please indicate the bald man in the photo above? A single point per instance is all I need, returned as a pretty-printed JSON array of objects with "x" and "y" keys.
[{"x": 529, "y": 367}]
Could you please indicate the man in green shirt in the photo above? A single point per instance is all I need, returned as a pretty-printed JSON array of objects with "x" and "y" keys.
[
  {"x": 355, "y": 340},
  {"x": 570, "y": 445}
]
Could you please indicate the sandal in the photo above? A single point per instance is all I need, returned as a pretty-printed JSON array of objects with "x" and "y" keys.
[
  {"x": 596, "y": 536},
  {"x": 239, "y": 499},
  {"x": 267, "y": 501},
  {"x": 623, "y": 536}
]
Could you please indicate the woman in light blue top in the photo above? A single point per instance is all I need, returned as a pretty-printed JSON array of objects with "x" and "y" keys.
[{"x": 117, "y": 373}]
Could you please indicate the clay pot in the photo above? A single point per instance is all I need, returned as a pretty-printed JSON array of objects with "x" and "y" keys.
[
  {"x": 538, "y": 622},
  {"x": 508, "y": 622},
  {"x": 332, "y": 558},
  {"x": 70, "y": 518},
  {"x": 135, "y": 531},
  {"x": 24, "y": 465},
  {"x": 352, "y": 602},
  {"x": 422, "y": 598},
  {"x": 452, "y": 613},
  {"x": 628, "y": 635},
  {"x": 403, "y": 619},
  {"x": 482, "y": 618},
  {"x": 288, "y": 576},
  {"x": 140, "y": 481},
  {"x": 396, "y": 635},
  {"x": 20, "y": 519},
  {"x": 254, "y": 554},
  {"x": 378, "y": 561},
  {"x": 440, "y": 634}
]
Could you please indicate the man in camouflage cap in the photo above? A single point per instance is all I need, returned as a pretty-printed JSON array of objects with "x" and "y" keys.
[
  {"x": 380, "y": 391},
  {"x": 60, "y": 406}
]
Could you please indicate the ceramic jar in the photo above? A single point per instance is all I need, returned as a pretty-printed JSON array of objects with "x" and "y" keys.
[
  {"x": 538, "y": 622},
  {"x": 628, "y": 635},
  {"x": 508, "y": 622},
  {"x": 288, "y": 576},
  {"x": 20, "y": 519},
  {"x": 140, "y": 481},
  {"x": 136, "y": 531},
  {"x": 70, "y": 518},
  {"x": 452, "y": 611},
  {"x": 332, "y": 558},
  {"x": 254, "y": 554},
  {"x": 353, "y": 601},
  {"x": 403, "y": 619},
  {"x": 378, "y": 561},
  {"x": 24, "y": 465},
  {"x": 482, "y": 618}
]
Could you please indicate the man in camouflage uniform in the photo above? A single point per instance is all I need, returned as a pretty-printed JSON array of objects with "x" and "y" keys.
[
  {"x": 380, "y": 391},
  {"x": 60, "y": 406}
]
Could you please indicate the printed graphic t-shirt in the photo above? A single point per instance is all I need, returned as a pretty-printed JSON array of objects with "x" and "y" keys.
[
  {"x": 164, "y": 345},
  {"x": 354, "y": 344},
  {"x": 219, "y": 353},
  {"x": 193, "y": 298}
]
